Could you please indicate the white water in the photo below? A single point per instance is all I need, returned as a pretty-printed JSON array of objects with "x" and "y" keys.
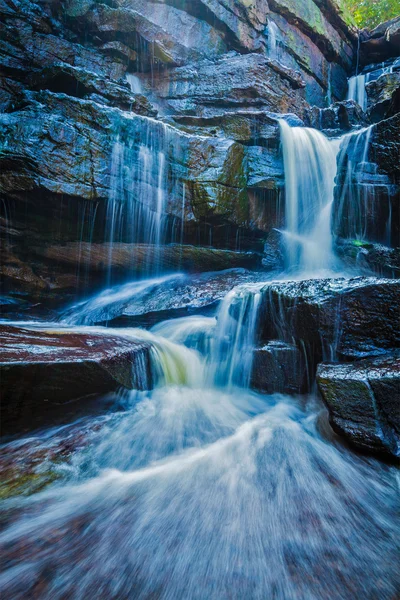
[
  {"x": 140, "y": 186},
  {"x": 356, "y": 203},
  {"x": 111, "y": 302},
  {"x": 203, "y": 493},
  {"x": 310, "y": 169},
  {"x": 135, "y": 83},
  {"x": 273, "y": 35},
  {"x": 356, "y": 90}
]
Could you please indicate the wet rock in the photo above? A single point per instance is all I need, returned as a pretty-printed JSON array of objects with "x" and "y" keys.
[
  {"x": 250, "y": 127},
  {"x": 367, "y": 198},
  {"x": 233, "y": 82},
  {"x": 132, "y": 304},
  {"x": 347, "y": 318},
  {"x": 377, "y": 258},
  {"x": 310, "y": 19},
  {"x": 381, "y": 43},
  {"x": 339, "y": 118},
  {"x": 384, "y": 96},
  {"x": 363, "y": 399},
  {"x": 125, "y": 258},
  {"x": 273, "y": 257},
  {"x": 278, "y": 367},
  {"x": 152, "y": 30},
  {"x": 80, "y": 83},
  {"x": 42, "y": 371}
]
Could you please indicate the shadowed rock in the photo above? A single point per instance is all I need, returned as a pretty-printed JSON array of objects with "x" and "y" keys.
[
  {"x": 348, "y": 318},
  {"x": 278, "y": 367},
  {"x": 363, "y": 399}
]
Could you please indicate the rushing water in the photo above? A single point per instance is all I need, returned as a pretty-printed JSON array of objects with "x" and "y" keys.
[
  {"x": 310, "y": 170},
  {"x": 201, "y": 488}
]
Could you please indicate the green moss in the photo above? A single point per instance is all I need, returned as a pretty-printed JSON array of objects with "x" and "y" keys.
[{"x": 17, "y": 483}]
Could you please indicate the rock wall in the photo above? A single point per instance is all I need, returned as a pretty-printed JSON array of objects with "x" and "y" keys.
[{"x": 200, "y": 84}]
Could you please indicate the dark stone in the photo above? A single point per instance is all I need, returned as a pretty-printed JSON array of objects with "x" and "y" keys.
[
  {"x": 368, "y": 257},
  {"x": 42, "y": 371},
  {"x": 363, "y": 399},
  {"x": 279, "y": 367},
  {"x": 384, "y": 96},
  {"x": 381, "y": 43},
  {"x": 339, "y": 118},
  {"x": 347, "y": 318}
]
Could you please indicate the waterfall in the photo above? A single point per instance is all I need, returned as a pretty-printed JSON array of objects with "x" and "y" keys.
[
  {"x": 135, "y": 83},
  {"x": 310, "y": 168},
  {"x": 359, "y": 210},
  {"x": 141, "y": 185},
  {"x": 232, "y": 350},
  {"x": 227, "y": 341},
  {"x": 273, "y": 33},
  {"x": 356, "y": 90}
]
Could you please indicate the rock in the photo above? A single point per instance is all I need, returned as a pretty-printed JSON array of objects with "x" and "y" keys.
[
  {"x": 140, "y": 25},
  {"x": 308, "y": 17},
  {"x": 367, "y": 193},
  {"x": 249, "y": 127},
  {"x": 384, "y": 96},
  {"x": 129, "y": 258},
  {"x": 339, "y": 118},
  {"x": 154, "y": 300},
  {"x": 381, "y": 43},
  {"x": 348, "y": 318},
  {"x": 273, "y": 258},
  {"x": 80, "y": 83},
  {"x": 363, "y": 399},
  {"x": 369, "y": 257},
  {"x": 43, "y": 370},
  {"x": 235, "y": 82},
  {"x": 278, "y": 367}
]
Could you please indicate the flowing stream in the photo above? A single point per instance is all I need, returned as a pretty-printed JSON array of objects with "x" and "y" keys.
[{"x": 201, "y": 488}]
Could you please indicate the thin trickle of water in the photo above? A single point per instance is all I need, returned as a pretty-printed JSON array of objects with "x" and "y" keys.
[
  {"x": 141, "y": 184},
  {"x": 357, "y": 187},
  {"x": 135, "y": 83},
  {"x": 273, "y": 36},
  {"x": 310, "y": 169}
]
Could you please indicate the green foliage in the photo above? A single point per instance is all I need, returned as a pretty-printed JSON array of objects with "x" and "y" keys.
[{"x": 369, "y": 13}]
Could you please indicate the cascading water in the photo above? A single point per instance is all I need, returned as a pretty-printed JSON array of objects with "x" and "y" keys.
[
  {"x": 356, "y": 90},
  {"x": 310, "y": 169},
  {"x": 363, "y": 209},
  {"x": 273, "y": 35},
  {"x": 197, "y": 491},
  {"x": 141, "y": 184}
]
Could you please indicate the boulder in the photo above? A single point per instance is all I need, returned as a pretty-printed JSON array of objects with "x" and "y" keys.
[
  {"x": 43, "y": 370},
  {"x": 381, "y": 43},
  {"x": 279, "y": 367},
  {"x": 343, "y": 318},
  {"x": 363, "y": 399}
]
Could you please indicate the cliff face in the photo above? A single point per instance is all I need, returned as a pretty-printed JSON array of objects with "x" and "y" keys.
[{"x": 169, "y": 108}]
